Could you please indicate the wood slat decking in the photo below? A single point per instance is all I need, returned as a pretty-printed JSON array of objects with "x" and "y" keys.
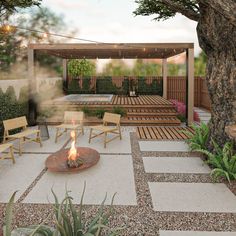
[
  {"x": 162, "y": 133},
  {"x": 125, "y": 101},
  {"x": 143, "y": 110}
]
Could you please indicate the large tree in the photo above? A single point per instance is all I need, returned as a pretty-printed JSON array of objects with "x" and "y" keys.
[
  {"x": 216, "y": 31},
  {"x": 11, "y": 6}
]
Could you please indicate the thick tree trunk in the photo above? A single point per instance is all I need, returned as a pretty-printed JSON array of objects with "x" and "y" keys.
[{"x": 217, "y": 38}]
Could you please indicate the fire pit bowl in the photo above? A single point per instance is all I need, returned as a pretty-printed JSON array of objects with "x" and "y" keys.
[{"x": 57, "y": 162}]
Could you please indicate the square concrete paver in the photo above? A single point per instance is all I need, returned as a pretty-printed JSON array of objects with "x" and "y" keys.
[
  {"x": 192, "y": 197},
  {"x": 112, "y": 174},
  {"x": 175, "y": 165},
  {"x": 18, "y": 176},
  {"x": 115, "y": 146},
  {"x": 163, "y": 146},
  {"x": 195, "y": 233}
]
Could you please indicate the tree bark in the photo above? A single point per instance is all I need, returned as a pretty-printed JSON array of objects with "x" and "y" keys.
[{"x": 217, "y": 38}]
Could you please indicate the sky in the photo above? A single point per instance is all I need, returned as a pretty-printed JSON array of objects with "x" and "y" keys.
[{"x": 111, "y": 21}]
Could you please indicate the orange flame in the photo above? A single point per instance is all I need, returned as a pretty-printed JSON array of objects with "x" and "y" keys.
[{"x": 73, "y": 151}]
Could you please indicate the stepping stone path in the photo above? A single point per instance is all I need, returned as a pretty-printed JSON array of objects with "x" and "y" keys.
[{"x": 183, "y": 197}]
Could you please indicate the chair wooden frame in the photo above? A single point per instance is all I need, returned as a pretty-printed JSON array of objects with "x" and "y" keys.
[
  {"x": 109, "y": 118},
  {"x": 73, "y": 120},
  {"x": 10, "y": 154},
  {"x": 22, "y": 136}
]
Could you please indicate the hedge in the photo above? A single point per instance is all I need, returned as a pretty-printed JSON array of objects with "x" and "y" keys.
[{"x": 10, "y": 107}]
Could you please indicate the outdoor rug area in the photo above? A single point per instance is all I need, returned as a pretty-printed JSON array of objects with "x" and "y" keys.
[{"x": 161, "y": 188}]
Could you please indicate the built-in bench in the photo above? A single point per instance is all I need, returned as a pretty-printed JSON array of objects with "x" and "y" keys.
[{"x": 22, "y": 135}]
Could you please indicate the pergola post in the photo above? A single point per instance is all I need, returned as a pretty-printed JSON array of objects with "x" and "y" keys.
[
  {"x": 164, "y": 76},
  {"x": 64, "y": 72},
  {"x": 190, "y": 86},
  {"x": 31, "y": 71},
  {"x": 32, "y": 116}
]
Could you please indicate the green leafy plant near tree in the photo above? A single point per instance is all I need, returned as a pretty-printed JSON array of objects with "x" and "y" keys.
[
  {"x": 68, "y": 220},
  {"x": 223, "y": 160},
  {"x": 198, "y": 139}
]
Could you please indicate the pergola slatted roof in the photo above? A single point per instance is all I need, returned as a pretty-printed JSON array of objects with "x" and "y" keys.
[{"x": 116, "y": 50}]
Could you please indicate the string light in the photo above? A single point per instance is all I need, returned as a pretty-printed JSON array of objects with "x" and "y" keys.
[
  {"x": 10, "y": 28},
  {"x": 45, "y": 35}
]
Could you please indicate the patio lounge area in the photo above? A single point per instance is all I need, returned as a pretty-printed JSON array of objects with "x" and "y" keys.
[{"x": 145, "y": 174}]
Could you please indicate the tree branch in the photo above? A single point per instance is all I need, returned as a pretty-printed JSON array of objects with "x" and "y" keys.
[
  {"x": 191, "y": 14},
  {"x": 223, "y": 7}
]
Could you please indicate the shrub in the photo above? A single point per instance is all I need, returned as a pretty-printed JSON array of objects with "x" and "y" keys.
[
  {"x": 223, "y": 160},
  {"x": 99, "y": 113},
  {"x": 119, "y": 110},
  {"x": 69, "y": 221},
  {"x": 180, "y": 107},
  {"x": 198, "y": 139},
  {"x": 10, "y": 107}
]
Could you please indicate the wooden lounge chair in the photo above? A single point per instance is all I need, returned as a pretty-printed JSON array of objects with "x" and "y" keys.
[
  {"x": 22, "y": 135},
  {"x": 109, "y": 118},
  {"x": 10, "y": 155},
  {"x": 73, "y": 120}
]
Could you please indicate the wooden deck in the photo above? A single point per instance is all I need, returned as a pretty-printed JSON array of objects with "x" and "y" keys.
[
  {"x": 142, "y": 110},
  {"x": 124, "y": 101},
  {"x": 162, "y": 133}
]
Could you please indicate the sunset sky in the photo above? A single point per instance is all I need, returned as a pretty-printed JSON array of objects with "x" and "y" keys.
[{"x": 114, "y": 21}]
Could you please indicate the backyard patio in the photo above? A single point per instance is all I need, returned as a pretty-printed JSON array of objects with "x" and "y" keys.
[{"x": 161, "y": 187}]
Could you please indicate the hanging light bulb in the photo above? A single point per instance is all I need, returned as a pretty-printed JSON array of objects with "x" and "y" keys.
[
  {"x": 8, "y": 28},
  {"x": 45, "y": 35}
]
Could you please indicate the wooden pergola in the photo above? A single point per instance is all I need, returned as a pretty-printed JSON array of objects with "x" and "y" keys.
[{"x": 119, "y": 51}]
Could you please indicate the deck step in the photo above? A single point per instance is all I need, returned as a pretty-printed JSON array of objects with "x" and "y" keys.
[{"x": 163, "y": 133}]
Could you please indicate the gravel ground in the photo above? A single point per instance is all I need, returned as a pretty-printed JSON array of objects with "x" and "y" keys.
[{"x": 140, "y": 219}]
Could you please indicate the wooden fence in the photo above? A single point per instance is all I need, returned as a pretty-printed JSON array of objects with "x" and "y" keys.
[{"x": 176, "y": 89}]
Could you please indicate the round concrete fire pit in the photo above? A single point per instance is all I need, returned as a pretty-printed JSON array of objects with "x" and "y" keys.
[{"x": 57, "y": 162}]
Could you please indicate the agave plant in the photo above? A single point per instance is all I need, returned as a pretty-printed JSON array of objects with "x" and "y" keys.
[
  {"x": 68, "y": 221},
  {"x": 223, "y": 160},
  {"x": 198, "y": 139}
]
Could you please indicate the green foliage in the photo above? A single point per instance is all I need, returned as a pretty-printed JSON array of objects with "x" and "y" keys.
[
  {"x": 83, "y": 67},
  {"x": 74, "y": 86},
  {"x": 164, "y": 11},
  {"x": 198, "y": 139},
  {"x": 68, "y": 220},
  {"x": 200, "y": 64},
  {"x": 99, "y": 113},
  {"x": 10, "y": 7},
  {"x": 86, "y": 110},
  {"x": 181, "y": 117},
  {"x": 154, "y": 88},
  {"x": 223, "y": 160},
  {"x": 41, "y": 19},
  {"x": 105, "y": 86},
  {"x": 119, "y": 110},
  {"x": 10, "y": 107}
]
